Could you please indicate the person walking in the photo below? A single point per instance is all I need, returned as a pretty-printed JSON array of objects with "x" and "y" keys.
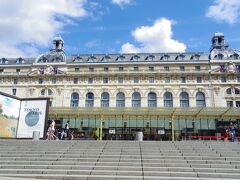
[{"x": 67, "y": 126}]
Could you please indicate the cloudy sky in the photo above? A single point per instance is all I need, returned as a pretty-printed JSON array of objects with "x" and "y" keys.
[{"x": 116, "y": 26}]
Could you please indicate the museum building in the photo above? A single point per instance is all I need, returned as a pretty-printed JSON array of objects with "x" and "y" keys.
[{"x": 167, "y": 96}]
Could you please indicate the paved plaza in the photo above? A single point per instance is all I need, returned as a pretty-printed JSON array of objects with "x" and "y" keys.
[{"x": 108, "y": 160}]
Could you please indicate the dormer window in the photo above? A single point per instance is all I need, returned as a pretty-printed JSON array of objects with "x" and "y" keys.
[
  {"x": 120, "y": 58},
  {"x": 195, "y": 57},
  {"x": 20, "y": 60},
  {"x": 165, "y": 57},
  {"x": 3, "y": 61},
  {"x": 235, "y": 56},
  {"x": 106, "y": 59},
  {"x": 77, "y": 59},
  {"x": 219, "y": 56},
  {"x": 180, "y": 57},
  {"x": 135, "y": 58},
  {"x": 150, "y": 58},
  {"x": 92, "y": 59}
]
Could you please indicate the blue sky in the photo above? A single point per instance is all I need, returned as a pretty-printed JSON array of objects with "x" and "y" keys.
[{"x": 116, "y": 26}]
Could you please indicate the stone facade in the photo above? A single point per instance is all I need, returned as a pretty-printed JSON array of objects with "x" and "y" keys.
[{"x": 60, "y": 77}]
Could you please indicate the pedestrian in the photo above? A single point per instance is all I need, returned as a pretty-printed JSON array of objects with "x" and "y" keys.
[
  {"x": 67, "y": 127},
  {"x": 232, "y": 131}
]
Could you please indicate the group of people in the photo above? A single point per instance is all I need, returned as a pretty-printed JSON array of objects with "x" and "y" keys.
[
  {"x": 55, "y": 134},
  {"x": 231, "y": 132}
]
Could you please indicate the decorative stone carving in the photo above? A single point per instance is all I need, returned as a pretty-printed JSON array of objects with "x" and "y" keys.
[{"x": 216, "y": 90}]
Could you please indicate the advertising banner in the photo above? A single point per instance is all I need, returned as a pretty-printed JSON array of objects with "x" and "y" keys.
[
  {"x": 9, "y": 114},
  {"x": 32, "y": 118}
]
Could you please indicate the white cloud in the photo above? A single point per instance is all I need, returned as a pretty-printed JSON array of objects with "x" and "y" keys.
[
  {"x": 92, "y": 44},
  {"x": 224, "y": 10},
  {"x": 34, "y": 22},
  {"x": 122, "y": 2},
  {"x": 156, "y": 38}
]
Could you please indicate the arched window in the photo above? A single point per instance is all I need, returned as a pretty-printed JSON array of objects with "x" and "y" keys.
[
  {"x": 74, "y": 100},
  {"x": 89, "y": 100},
  {"x": 120, "y": 100},
  {"x": 229, "y": 91},
  {"x": 200, "y": 100},
  {"x": 168, "y": 99},
  {"x": 152, "y": 99},
  {"x": 105, "y": 99},
  {"x": 50, "y": 93},
  {"x": 184, "y": 99},
  {"x": 136, "y": 99},
  {"x": 219, "y": 56},
  {"x": 42, "y": 92},
  {"x": 235, "y": 56}
]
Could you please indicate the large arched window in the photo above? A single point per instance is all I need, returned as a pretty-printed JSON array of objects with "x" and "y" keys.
[
  {"x": 89, "y": 100},
  {"x": 200, "y": 100},
  {"x": 136, "y": 99},
  {"x": 184, "y": 99},
  {"x": 120, "y": 100},
  {"x": 168, "y": 99},
  {"x": 152, "y": 99},
  {"x": 74, "y": 100},
  {"x": 105, "y": 99}
]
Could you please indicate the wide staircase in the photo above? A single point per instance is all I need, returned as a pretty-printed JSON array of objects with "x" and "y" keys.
[{"x": 119, "y": 160}]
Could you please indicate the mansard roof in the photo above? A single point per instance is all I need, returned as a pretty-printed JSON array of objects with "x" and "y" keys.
[
  {"x": 137, "y": 57},
  {"x": 219, "y": 51}
]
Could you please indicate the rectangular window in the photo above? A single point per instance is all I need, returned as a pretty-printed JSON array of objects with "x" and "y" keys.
[
  {"x": 75, "y": 81},
  {"x": 166, "y": 68},
  {"x": 197, "y": 68},
  {"x": 54, "y": 80},
  {"x": 77, "y": 69},
  {"x": 105, "y": 69},
  {"x": 135, "y": 68},
  {"x": 105, "y": 80},
  {"x": 182, "y": 68},
  {"x": 1, "y": 71},
  {"x": 15, "y": 81},
  {"x": 238, "y": 79},
  {"x": 223, "y": 79},
  {"x": 120, "y": 68},
  {"x": 18, "y": 71},
  {"x": 167, "y": 79},
  {"x": 237, "y": 103},
  {"x": 183, "y": 79},
  {"x": 90, "y": 80},
  {"x": 135, "y": 80},
  {"x": 91, "y": 69},
  {"x": 40, "y": 81},
  {"x": 199, "y": 79},
  {"x": 151, "y": 79},
  {"x": 120, "y": 80},
  {"x": 151, "y": 68},
  {"x": 229, "y": 103},
  {"x": 14, "y": 92}
]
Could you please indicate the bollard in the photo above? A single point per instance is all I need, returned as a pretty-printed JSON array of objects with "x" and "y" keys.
[
  {"x": 36, "y": 135},
  {"x": 139, "y": 136}
]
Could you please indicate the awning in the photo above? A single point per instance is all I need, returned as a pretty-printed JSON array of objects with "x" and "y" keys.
[{"x": 213, "y": 112}]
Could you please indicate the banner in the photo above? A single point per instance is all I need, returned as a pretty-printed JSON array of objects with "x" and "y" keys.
[
  {"x": 9, "y": 114},
  {"x": 32, "y": 118}
]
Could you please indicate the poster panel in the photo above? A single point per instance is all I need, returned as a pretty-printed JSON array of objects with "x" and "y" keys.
[
  {"x": 32, "y": 118},
  {"x": 9, "y": 114}
]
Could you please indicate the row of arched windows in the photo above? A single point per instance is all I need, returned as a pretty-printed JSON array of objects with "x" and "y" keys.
[{"x": 136, "y": 99}]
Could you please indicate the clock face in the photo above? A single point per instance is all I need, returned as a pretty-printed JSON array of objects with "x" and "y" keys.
[{"x": 32, "y": 118}]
